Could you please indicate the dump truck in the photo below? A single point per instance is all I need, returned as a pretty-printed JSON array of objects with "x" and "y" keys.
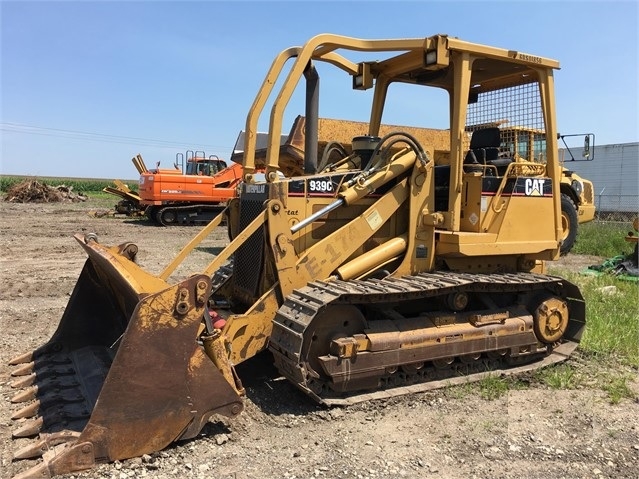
[
  {"x": 375, "y": 273},
  {"x": 577, "y": 193}
]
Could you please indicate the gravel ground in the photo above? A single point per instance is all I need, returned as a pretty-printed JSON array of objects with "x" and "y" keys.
[{"x": 529, "y": 432}]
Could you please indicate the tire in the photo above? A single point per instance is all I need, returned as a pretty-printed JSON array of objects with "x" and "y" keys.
[{"x": 569, "y": 224}]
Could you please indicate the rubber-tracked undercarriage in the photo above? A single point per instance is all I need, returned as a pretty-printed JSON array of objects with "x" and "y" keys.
[{"x": 390, "y": 267}]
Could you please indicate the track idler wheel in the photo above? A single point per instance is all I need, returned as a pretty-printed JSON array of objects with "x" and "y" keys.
[
  {"x": 551, "y": 320},
  {"x": 336, "y": 321},
  {"x": 167, "y": 217}
]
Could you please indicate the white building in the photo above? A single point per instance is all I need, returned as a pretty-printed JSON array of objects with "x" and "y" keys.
[{"x": 614, "y": 171}]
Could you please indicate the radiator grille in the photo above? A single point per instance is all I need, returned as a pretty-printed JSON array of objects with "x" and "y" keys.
[
  {"x": 589, "y": 196},
  {"x": 249, "y": 258}
]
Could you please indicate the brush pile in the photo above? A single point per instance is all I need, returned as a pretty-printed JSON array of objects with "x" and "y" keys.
[{"x": 32, "y": 191}]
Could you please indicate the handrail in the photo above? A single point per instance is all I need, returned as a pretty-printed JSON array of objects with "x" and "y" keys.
[{"x": 320, "y": 48}]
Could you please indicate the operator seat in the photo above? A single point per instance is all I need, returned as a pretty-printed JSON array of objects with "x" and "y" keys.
[
  {"x": 484, "y": 146},
  {"x": 484, "y": 150}
]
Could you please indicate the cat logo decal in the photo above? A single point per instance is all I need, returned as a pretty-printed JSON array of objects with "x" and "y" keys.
[{"x": 534, "y": 187}]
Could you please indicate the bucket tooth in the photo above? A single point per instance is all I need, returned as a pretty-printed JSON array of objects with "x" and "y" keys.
[
  {"x": 41, "y": 471},
  {"x": 24, "y": 381},
  {"x": 30, "y": 451},
  {"x": 27, "y": 395},
  {"x": 25, "y": 369},
  {"x": 23, "y": 358},
  {"x": 55, "y": 382},
  {"x": 69, "y": 456},
  {"x": 49, "y": 391},
  {"x": 27, "y": 411},
  {"x": 29, "y": 428},
  {"x": 44, "y": 444}
]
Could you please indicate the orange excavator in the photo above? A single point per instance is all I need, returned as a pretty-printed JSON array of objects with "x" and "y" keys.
[{"x": 191, "y": 195}]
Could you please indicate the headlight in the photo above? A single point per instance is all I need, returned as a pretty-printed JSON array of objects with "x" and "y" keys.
[{"x": 578, "y": 186}]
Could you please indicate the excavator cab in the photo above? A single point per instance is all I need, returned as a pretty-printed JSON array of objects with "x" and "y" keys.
[
  {"x": 201, "y": 166},
  {"x": 389, "y": 260}
]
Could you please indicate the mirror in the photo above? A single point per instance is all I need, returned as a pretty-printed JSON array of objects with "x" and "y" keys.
[{"x": 586, "y": 152}]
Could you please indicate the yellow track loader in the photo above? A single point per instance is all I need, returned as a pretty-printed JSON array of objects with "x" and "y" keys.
[{"x": 377, "y": 272}]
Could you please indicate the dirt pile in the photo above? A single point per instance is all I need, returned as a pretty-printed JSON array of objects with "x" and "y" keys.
[{"x": 32, "y": 191}]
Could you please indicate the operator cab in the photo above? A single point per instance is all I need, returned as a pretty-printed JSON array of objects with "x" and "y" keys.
[
  {"x": 485, "y": 156},
  {"x": 197, "y": 164}
]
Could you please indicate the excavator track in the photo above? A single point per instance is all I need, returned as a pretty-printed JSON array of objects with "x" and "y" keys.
[
  {"x": 187, "y": 215},
  {"x": 325, "y": 344}
]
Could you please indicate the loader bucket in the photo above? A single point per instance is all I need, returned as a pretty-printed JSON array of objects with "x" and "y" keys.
[{"x": 124, "y": 374}]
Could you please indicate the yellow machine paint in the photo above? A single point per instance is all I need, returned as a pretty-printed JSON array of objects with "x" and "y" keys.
[{"x": 369, "y": 261}]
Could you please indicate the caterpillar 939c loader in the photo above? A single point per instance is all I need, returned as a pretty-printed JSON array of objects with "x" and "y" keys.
[{"x": 377, "y": 272}]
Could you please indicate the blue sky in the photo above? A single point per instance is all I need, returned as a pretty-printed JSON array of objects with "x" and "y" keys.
[{"x": 85, "y": 86}]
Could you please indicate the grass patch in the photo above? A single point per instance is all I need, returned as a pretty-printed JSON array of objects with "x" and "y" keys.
[
  {"x": 80, "y": 185},
  {"x": 562, "y": 376},
  {"x": 618, "y": 389},
  {"x": 612, "y": 323},
  {"x": 493, "y": 387},
  {"x": 566, "y": 376},
  {"x": 101, "y": 195},
  {"x": 612, "y": 305},
  {"x": 603, "y": 239}
]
